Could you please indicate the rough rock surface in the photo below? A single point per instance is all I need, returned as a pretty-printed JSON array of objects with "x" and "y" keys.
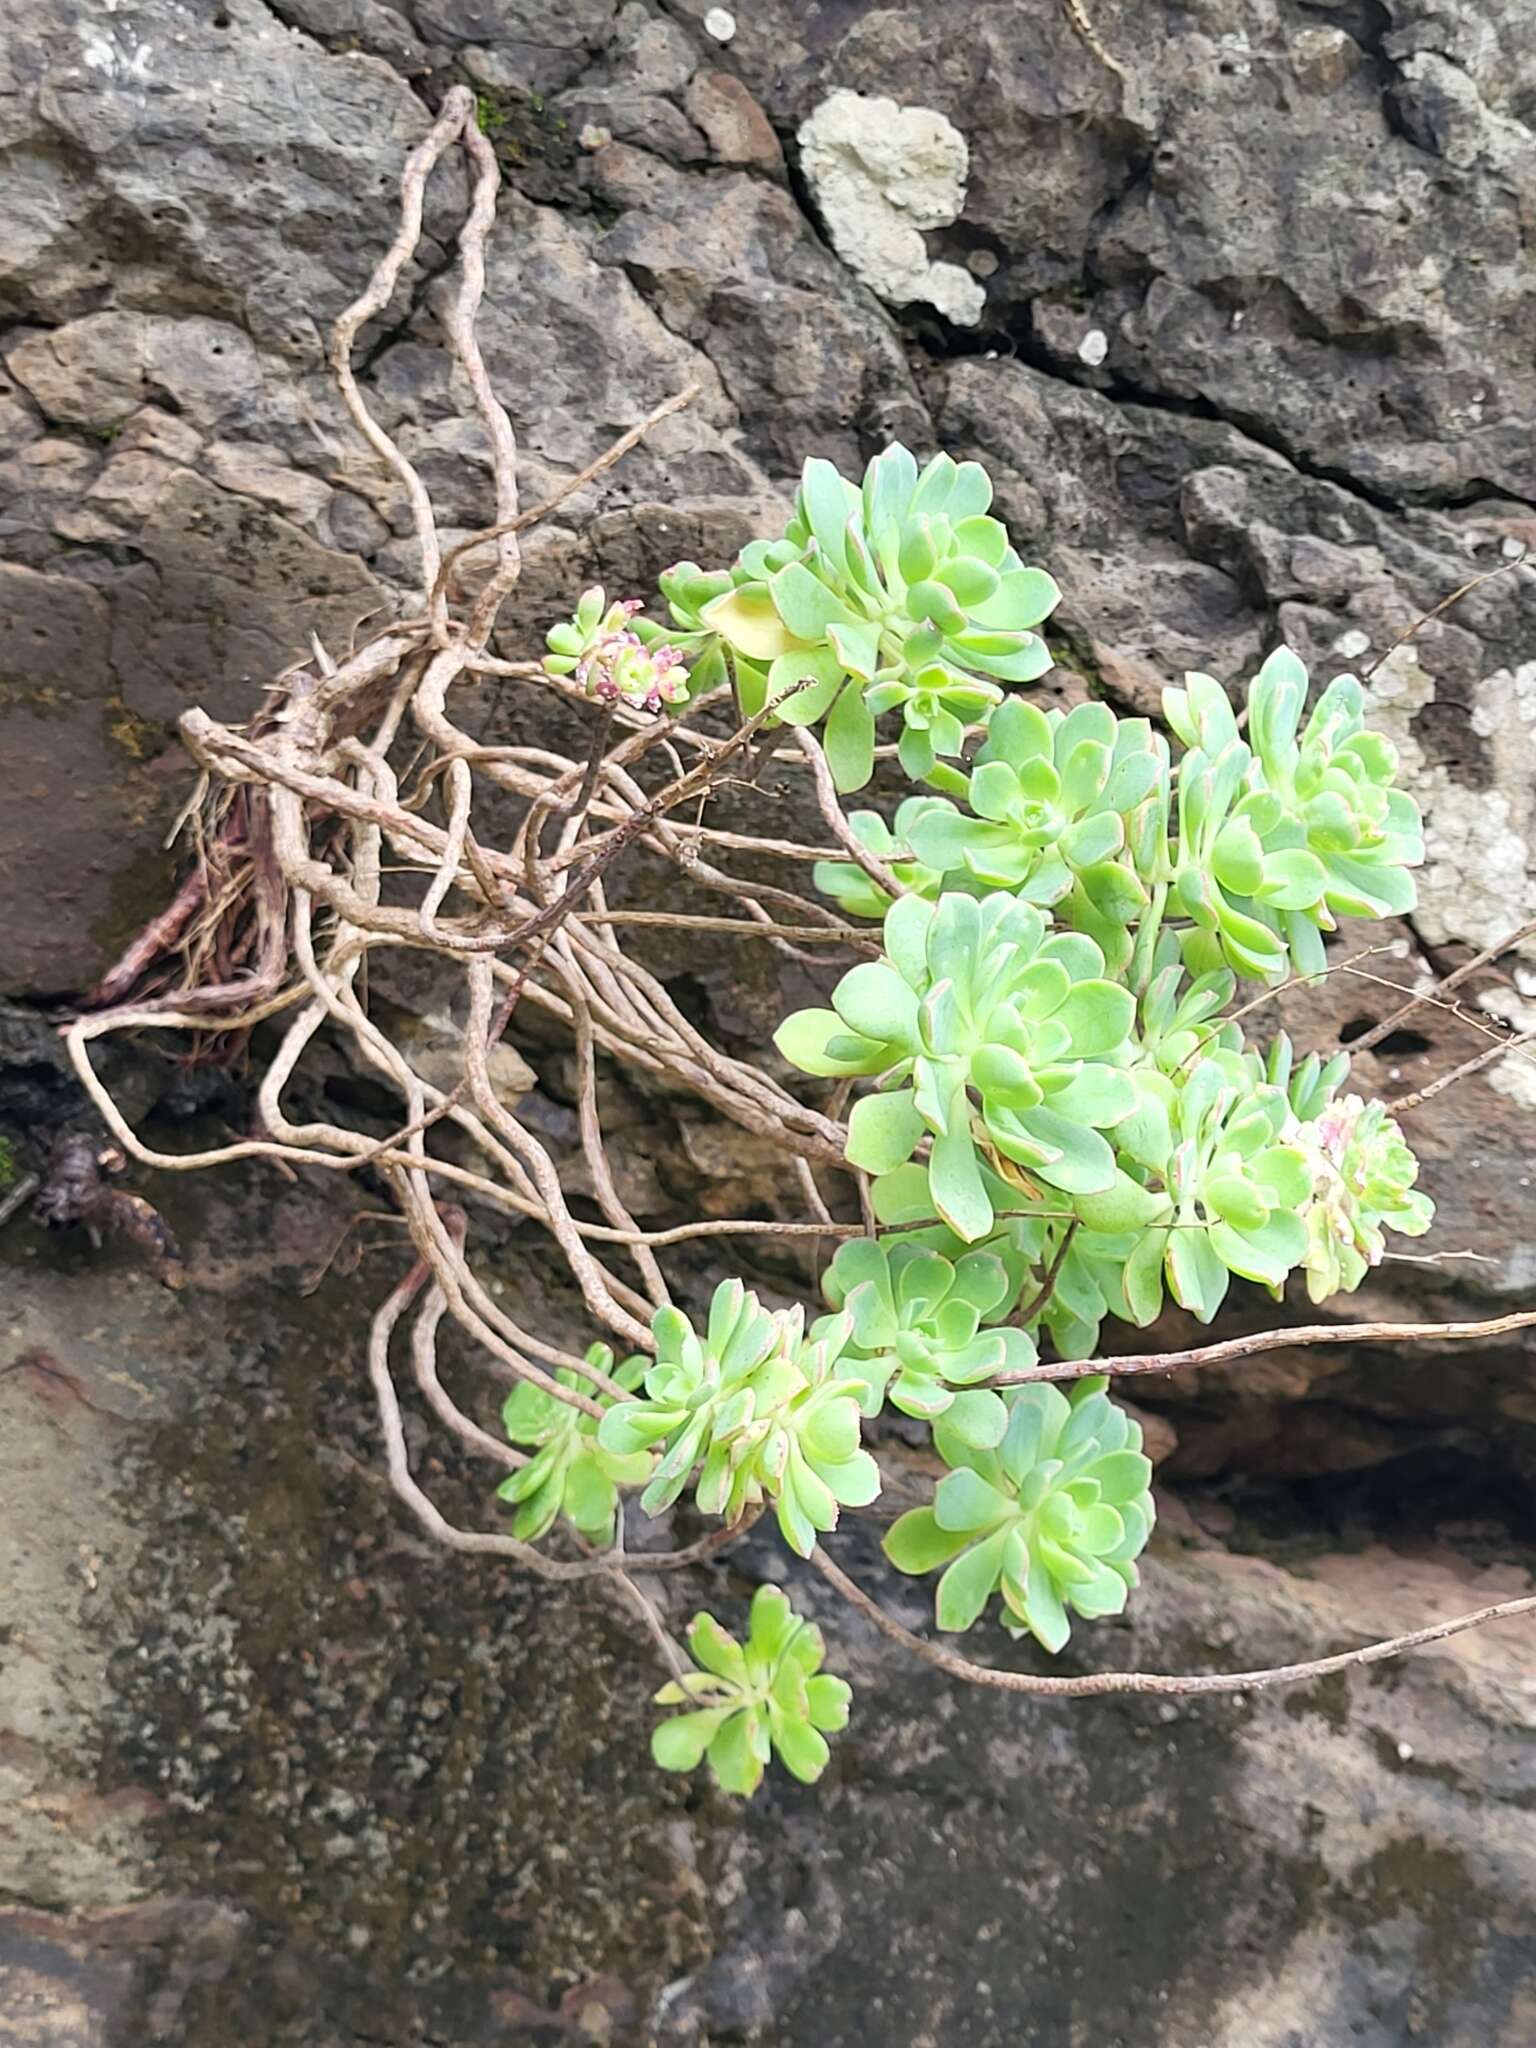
[
  {"x": 1252, "y": 360},
  {"x": 283, "y": 1774}
]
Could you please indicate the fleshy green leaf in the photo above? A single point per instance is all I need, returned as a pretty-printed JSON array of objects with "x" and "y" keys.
[{"x": 915, "y": 1543}]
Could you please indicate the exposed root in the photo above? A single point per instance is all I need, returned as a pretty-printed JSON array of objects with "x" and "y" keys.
[{"x": 355, "y": 815}]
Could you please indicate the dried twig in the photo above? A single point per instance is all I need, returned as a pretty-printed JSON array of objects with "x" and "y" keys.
[
  {"x": 1438, "y": 611},
  {"x": 1486, "y": 1058},
  {"x": 17, "y": 1196},
  {"x": 1077, "y": 14},
  {"x": 1489, "y": 954},
  {"x": 1231, "y": 1349},
  {"x": 1098, "y": 1684}
]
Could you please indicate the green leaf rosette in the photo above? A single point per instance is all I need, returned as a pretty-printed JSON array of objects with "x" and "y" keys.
[
  {"x": 1053, "y": 1518},
  {"x": 746, "y": 1703}
]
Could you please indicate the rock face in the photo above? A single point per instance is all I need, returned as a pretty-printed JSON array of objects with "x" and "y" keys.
[
  {"x": 1249, "y": 359},
  {"x": 1223, "y": 401},
  {"x": 280, "y": 1773}
]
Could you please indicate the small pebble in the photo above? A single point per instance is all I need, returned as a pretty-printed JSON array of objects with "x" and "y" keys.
[
  {"x": 1093, "y": 347},
  {"x": 720, "y": 23}
]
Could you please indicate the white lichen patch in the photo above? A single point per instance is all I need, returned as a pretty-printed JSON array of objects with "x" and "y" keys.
[
  {"x": 881, "y": 175},
  {"x": 1476, "y": 883},
  {"x": 1515, "y": 1074}
]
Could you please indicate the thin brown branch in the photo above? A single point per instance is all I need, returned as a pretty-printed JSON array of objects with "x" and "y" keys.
[
  {"x": 615, "y": 452},
  {"x": 1040, "y": 1301},
  {"x": 1098, "y": 1684},
  {"x": 1457, "y": 1010},
  {"x": 832, "y": 811},
  {"x": 733, "y": 927},
  {"x": 1230, "y": 1349},
  {"x": 1489, "y": 954},
  {"x": 1439, "y": 610},
  {"x": 1487, "y": 1058}
]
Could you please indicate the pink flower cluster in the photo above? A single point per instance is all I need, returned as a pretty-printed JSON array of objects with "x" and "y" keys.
[{"x": 619, "y": 668}]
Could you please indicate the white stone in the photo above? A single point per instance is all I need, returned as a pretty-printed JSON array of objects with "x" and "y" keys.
[
  {"x": 1352, "y": 644},
  {"x": 720, "y": 23},
  {"x": 1093, "y": 347},
  {"x": 881, "y": 174}
]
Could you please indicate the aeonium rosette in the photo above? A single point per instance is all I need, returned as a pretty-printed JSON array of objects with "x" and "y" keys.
[
  {"x": 1053, "y": 1518},
  {"x": 924, "y": 1331},
  {"x": 1063, "y": 804},
  {"x": 570, "y": 1473},
  {"x": 1225, "y": 1188},
  {"x": 748, "y": 1702},
  {"x": 1286, "y": 831},
  {"x": 900, "y": 595},
  {"x": 977, "y": 998},
  {"x": 759, "y": 1407}
]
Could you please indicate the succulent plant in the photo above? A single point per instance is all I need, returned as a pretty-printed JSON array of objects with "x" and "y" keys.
[
  {"x": 1310, "y": 1084},
  {"x": 900, "y": 596},
  {"x": 1179, "y": 1018},
  {"x": 746, "y": 1703},
  {"x": 1334, "y": 783},
  {"x": 1054, "y": 1517},
  {"x": 1224, "y": 877},
  {"x": 846, "y": 882},
  {"x": 976, "y": 996},
  {"x": 601, "y": 650},
  {"x": 1280, "y": 837},
  {"x": 570, "y": 1473},
  {"x": 1363, "y": 1170},
  {"x": 1034, "y": 1245},
  {"x": 1087, "y": 1285},
  {"x": 920, "y": 1335},
  {"x": 1063, "y": 1120},
  {"x": 1232, "y": 1188},
  {"x": 1362, "y": 1184},
  {"x": 761, "y": 1405},
  {"x": 1052, "y": 795}
]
